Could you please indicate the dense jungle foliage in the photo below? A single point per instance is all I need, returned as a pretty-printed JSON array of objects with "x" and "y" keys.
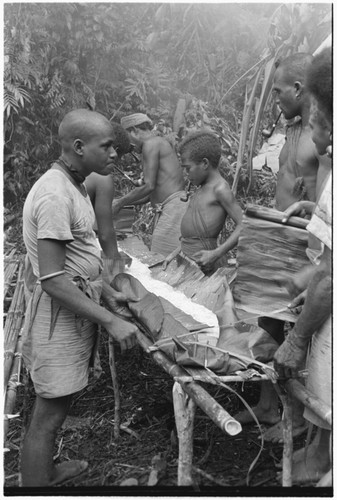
[{"x": 119, "y": 58}]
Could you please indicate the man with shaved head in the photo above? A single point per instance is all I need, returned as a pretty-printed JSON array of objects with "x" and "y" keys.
[{"x": 60, "y": 333}]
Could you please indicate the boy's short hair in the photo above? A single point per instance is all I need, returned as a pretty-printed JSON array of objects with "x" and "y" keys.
[
  {"x": 122, "y": 143},
  {"x": 294, "y": 67},
  {"x": 202, "y": 144},
  {"x": 319, "y": 81}
]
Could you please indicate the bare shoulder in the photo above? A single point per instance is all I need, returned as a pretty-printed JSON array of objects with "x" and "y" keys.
[
  {"x": 156, "y": 144},
  {"x": 222, "y": 189}
]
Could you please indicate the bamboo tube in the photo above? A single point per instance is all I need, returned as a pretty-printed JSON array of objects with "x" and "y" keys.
[
  {"x": 13, "y": 324},
  {"x": 14, "y": 382},
  {"x": 112, "y": 364},
  {"x": 184, "y": 411},
  {"x": 309, "y": 400},
  {"x": 275, "y": 216},
  {"x": 201, "y": 397},
  {"x": 221, "y": 378}
]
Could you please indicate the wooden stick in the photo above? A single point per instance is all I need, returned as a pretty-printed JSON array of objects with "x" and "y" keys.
[
  {"x": 184, "y": 410},
  {"x": 13, "y": 324},
  {"x": 201, "y": 397},
  {"x": 310, "y": 400},
  {"x": 114, "y": 377},
  {"x": 287, "y": 459}
]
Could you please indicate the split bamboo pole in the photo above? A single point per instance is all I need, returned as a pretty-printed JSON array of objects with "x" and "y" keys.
[
  {"x": 184, "y": 411},
  {"x": 11, "y": 265},
  {"x": 13, "y": 324},
  {"x": 309, "y": 400},
  {"x": 201, "y": 397},
  {"x": 221, "y": 378},
  {"x": 13, "y": 384}
]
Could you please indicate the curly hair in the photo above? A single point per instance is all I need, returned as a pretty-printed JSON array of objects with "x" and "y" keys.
[
  {"x": 294, "y": 67},
  {"x": 319, "y": 81},
  {"x": 122, "y": 143},
  {"x": 202, "y": 144}
]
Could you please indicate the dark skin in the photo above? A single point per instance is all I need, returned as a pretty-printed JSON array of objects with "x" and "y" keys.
[
  {"x": 294, "y": 101},
  {"x": 101, "y": 192},
  {"x": 87, "y": 144},
  {"x": 161, "y": 169}
]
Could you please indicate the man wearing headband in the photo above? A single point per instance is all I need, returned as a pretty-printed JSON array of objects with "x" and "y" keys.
[{"x": 163, "y": 183}]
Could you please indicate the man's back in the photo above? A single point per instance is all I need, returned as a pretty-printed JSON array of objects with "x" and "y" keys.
[{"x": 169, "y": 175}]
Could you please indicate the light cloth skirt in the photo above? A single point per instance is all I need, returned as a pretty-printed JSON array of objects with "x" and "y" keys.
[
  {"x": 59, "y": 365},
  {"x": 166, "y": 233},
  {"x": 319, "y": 371}
]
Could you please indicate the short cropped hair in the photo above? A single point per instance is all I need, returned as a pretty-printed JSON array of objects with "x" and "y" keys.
[
  {"x": 319, "y": 81},
  {"x": 295, "y": 67},
  {"x": 202, "y": 144},
  {"x": 122, "y": 143}
]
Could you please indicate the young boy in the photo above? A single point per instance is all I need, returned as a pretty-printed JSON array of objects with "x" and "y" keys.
[{"x": 210, "y": 204}]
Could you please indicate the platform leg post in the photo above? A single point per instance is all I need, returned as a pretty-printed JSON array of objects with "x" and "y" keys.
[
  {"x": 184, "y": 410},
  {"x": 287, "y": 459}
]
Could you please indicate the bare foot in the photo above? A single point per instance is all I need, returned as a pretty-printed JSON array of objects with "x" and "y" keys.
[
  {"x": 275, "y": 433},
  {"x": 309, "y": 471},
  {"x": 263, "y": 416},
  {"x": 68, "y": 470}
]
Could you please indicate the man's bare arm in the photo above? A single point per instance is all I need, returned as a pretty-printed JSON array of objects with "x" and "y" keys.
[
  {"x": 150, "y": 164},
  {"x": 104, "y": 191},
  {"x": 51, "y": 256},
  {"x": 290, "y": 356}
]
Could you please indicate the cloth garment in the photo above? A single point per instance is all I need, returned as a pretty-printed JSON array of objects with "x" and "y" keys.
[
  {"x": 321, "y": 233},
  {"x": 319, "y": 360},
  {"x": 57, "y": 345},
  {"x": 190, "y": 246},
  {"x": 202, "y": 239},
  {"x": 134, "y": 120},
  {"x": 168, "y": 216},
  {"x": 319, "y": 371}
]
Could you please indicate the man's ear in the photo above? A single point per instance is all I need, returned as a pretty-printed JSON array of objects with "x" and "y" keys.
[
  {"x": 298, "y": 88},
  {"x": 78, "y": 146}
]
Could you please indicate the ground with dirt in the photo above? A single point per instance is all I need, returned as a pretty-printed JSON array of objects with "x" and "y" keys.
[{"x": 221, "y": 462}]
